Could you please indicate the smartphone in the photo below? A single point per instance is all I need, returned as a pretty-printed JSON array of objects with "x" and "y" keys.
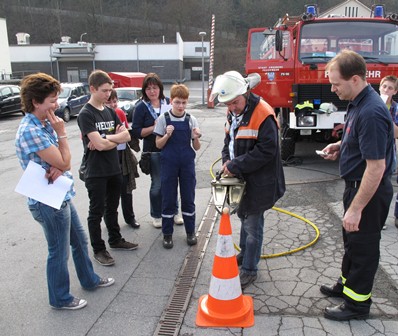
[{"x": 321, "y": 153}]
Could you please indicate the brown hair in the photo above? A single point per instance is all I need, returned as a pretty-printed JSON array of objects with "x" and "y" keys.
[
  {"x": 152, "y": 79},
  {"x": 392, "y": 79},
  {"x": 98, "y": 78},
  {"x": 179, "y": 91},
  {"x": 349, "y": 64},
  {"x": 37, "y": 87},
  {"x": 113, "y": 95}
]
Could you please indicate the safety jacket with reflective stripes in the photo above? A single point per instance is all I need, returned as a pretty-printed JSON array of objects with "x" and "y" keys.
[{"x": 257, "y": 156}]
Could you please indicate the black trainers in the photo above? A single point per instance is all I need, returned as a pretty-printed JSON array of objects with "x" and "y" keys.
[
  {"x": 75, "y": 304},
  {"x": 124, "y": 245},
  {"x": 134, "y": 224},
  {"x": 106, "y": 282},
  {"x": 246, "y": 279},
  {"x": 191, "y": 239},
  {"x": 104, "y": 258},
  {"x": 239, "y": 259},
  {"x": 168, "y": 241}
]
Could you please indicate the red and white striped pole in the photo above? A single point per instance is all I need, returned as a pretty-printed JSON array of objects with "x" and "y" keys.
[{"x": 211, "y": 63}]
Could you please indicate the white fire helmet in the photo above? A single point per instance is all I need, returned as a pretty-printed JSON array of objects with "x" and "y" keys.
[{"x": 231, "y": 85}]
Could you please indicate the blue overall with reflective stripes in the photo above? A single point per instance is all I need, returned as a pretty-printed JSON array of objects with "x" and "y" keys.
[{"x": 178, "y": 167}]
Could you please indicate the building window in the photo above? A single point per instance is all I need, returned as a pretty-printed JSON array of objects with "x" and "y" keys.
[
  {"x": 351, "y": 11},
  {"x": 199, "y": 49},
  {"x": 83, "y": 74}
]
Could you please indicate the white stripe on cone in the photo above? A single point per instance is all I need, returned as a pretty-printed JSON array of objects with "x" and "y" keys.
[
  {"x": 225, "y": 247},
  {"x": 225, "y": 289}
]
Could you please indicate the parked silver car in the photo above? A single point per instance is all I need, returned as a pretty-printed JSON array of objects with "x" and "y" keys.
[{"x": 128, "y": 99}]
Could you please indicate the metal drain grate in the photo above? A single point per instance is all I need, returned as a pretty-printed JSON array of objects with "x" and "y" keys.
[{"x": 171, "y": 320}]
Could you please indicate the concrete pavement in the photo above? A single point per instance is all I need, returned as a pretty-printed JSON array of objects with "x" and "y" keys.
[{"x": 286, "y": 294}]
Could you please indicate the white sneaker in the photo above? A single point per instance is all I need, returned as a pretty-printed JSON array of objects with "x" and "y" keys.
[
  {"x": 178, "y": 219},
  {"x": 157, "y": 223}
]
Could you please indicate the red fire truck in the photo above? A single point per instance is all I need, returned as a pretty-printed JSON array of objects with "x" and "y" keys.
[{"x": 291, "y": 59}]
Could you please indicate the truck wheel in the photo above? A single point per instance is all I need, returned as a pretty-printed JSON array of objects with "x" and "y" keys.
[
  {"x": 288, "y": 146},
  {"x": 66, "y": 115}
]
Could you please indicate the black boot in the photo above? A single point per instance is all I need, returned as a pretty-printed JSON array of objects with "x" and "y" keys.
[
  {"x": 332, "y": 291},
  {"x": 191, "y": 239},
  {"x": 168, "y": 241},
  {"x": 343, "y": 313}
]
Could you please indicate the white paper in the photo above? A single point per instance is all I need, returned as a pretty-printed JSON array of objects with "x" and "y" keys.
[
  {"x": 34, "y": 184},
  {"x": 121, "y": 146},
  {"x": 384, "y": 98}
]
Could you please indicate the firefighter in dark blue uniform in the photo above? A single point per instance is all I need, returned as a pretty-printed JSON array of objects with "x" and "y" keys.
[
  {"x": 366, "y": 159},
  {"x": 177, "y": 135}
]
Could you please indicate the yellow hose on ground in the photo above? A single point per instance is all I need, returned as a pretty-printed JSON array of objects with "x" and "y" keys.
[{"x": 266, "y": 256}]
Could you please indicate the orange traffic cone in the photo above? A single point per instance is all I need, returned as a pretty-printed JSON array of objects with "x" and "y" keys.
[{"x": 225, "y": 306}]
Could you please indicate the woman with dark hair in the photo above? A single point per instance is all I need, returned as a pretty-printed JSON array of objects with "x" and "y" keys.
[
  {"x": 41, "y": 138},
  {"x": 152, "y": 105}
]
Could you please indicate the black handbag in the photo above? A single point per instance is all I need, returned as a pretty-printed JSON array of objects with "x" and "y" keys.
[
  {"x": 82, "y": 168},
  {"x": 145, "y": 163}
]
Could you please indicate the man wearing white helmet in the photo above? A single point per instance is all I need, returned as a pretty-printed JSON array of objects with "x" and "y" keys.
[{"x": 251, "y": 152}]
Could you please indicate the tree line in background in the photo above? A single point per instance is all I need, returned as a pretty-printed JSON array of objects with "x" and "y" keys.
[{"x": 155, "y": 21}]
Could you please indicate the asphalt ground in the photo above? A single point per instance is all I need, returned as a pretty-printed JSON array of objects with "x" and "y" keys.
[{"x": 286, "y": 294}]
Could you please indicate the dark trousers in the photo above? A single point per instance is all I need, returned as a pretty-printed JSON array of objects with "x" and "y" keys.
[
  {"x": 175, "y": 173},
  {"x": 127, "y": 202},
  {"x": 104, "y": 194},
  {"x": 362, "y": 248}
]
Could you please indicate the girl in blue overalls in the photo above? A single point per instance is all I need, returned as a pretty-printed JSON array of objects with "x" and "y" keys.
[{"x": 177, "y": 135}]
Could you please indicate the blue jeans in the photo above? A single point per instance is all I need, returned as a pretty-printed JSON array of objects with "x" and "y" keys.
[
  {"x": 63, "y": 228},
  {"x": 251, "y": 241}
]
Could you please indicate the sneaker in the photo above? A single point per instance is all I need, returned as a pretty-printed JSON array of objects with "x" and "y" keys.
[
  {"x": 124, "y": 245},
  {"x": 178, "y": 219},
  {"x": 191, "y": 239},
  {"x": 239, "y": 259},
  {"x": 157, "y": 223},
  {"x": 75, "y": 304},
  {"x": 106, "y": 282},
  {"x": 168, "y": 241},
  {"x": 104, "y": 258},
  {"x": 134, "y": 224},
  {"x": 246, "y": 279}
]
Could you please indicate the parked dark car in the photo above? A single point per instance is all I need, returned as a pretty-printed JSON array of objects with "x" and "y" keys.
[
  {"x": 71, "y": 99},
  {"x": 128, "y": 99},
  {"x": 10, "y": 99}
]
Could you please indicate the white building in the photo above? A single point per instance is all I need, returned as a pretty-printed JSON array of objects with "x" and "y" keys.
[
  {"x": 349, "y": 8},
  {"x": 5, "y": 61},
  {"x": 73, "y": 62}
]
